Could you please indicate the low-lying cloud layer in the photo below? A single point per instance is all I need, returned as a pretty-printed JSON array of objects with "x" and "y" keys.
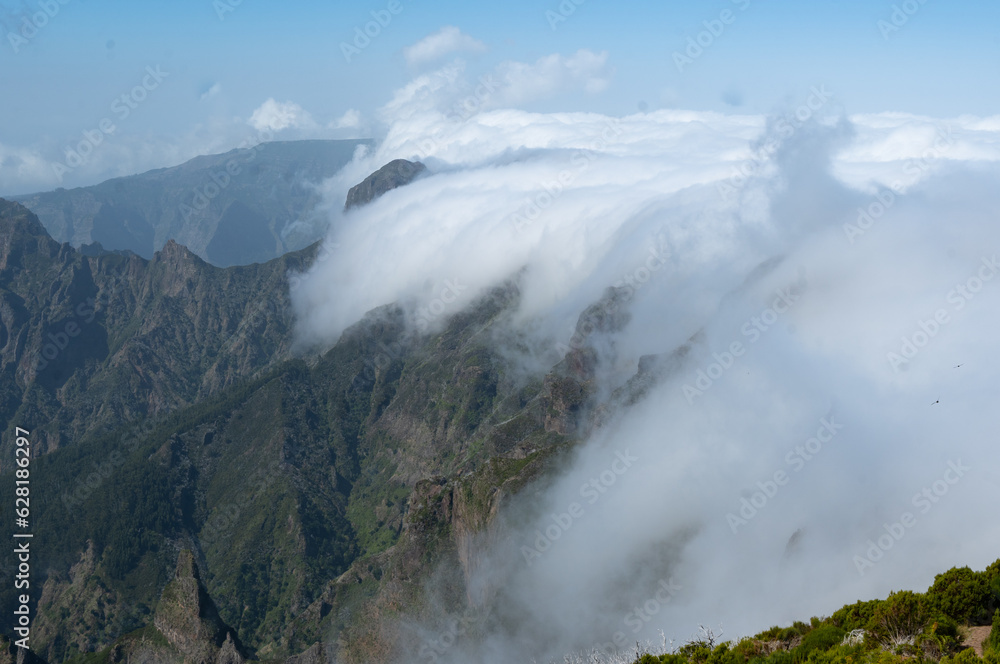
[{"x": 828, "y": 437}]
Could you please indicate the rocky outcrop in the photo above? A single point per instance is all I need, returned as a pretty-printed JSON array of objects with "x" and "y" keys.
[
  {"x": 394, "y": 174},
  {"x": 21, "y": 236},
  {"x": 569, "y": 389},
  {"x": 316, "y": 654},
  {"x": 186, "y": 616},
  {"x": 12, "y": 654}
]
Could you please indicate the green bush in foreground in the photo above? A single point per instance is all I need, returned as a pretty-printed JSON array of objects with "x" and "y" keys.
[
  {"x": 822, "y": 638},
  {"x": 906, "y": 627},
  {"x": 992, "y": 642}
]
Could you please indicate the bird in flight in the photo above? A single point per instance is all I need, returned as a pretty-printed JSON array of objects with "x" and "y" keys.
[
  {"x": 955, "y": 367},
  {"x": 938, "y": 401}
]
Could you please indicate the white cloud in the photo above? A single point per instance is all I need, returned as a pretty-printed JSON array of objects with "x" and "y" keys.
[
  {"x": 349, "y": 120},
  {"x": 24, "y": 170},
  {"x": 584, "y": 70},
  {"x": 213, "y": 91},
  {"x": 449, "y": 90},
  {"x": 448, "y": 39},
  {"x": 577, "y": 201},
  {"x": 276, "y": 116}
]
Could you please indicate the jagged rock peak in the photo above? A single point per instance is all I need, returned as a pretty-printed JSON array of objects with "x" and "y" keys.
[
  {"x": 186, "y": 567},
  {"x": 394, "y": 174},
  {"x": 316, "y": 654},
  {"x": 21, "y": 234},
  {"x": 187, "y": 617},
  {"x": 174, "y": 251},
  {"x": 14, "y": 217}
]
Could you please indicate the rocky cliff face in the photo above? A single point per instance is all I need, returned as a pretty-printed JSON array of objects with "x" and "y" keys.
[
  {"x": 395, "y": 174},
  {"x": 186, "y": 616},
  {"x": 88, "y": 342}
]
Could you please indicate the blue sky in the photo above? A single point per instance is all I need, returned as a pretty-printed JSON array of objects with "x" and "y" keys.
[{"x": 62, "y": 80}]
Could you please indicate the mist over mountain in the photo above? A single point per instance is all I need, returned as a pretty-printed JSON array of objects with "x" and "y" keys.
[
  {"x": 624, "y": 405},
  {"x": 633, "y": 333},
  {"x": 808, "y": 290}
]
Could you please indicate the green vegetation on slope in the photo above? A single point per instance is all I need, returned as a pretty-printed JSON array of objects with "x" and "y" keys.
[{"x": 905, "y": 627}]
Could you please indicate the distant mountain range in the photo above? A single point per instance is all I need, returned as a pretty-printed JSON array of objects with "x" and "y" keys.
[{"x": 229, "y": 209}]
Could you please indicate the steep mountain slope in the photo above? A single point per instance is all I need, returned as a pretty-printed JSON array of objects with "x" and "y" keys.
[
  {"x": 229, "y": 209},
  {"x": 92, "y": 341},
  {"x": 281, "y": 484},
  {"x": 317, "y": 494}
]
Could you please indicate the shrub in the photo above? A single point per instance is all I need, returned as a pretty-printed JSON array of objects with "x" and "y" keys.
[
  {"x": 992, "y": 576},
  {"x": 724, "y": 655},
  {"x": 967, "y": 656},
  {"x": 821, "y": 638},
  {"x": 943, "y": 626},
  {"x": 801, "y": 627},
  {"x": 750, "y": 649},
  {"x": 840, "y": 655},
  {"x": 961, "y": 594},
  {"x": 992, "y": 642},
  {"x": 855, "y": 616},
  {"x": 780, "y": 657},
  {"x": 695, "y": 651},
  {"x": 789, "y": 633},
  {"x": 771, "y": 634},
  {"x": 898, "y": 620},
  {"x": 940, "y": 638}
]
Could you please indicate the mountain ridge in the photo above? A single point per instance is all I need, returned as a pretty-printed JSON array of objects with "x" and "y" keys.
[{"x": 234, "y": 208}]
